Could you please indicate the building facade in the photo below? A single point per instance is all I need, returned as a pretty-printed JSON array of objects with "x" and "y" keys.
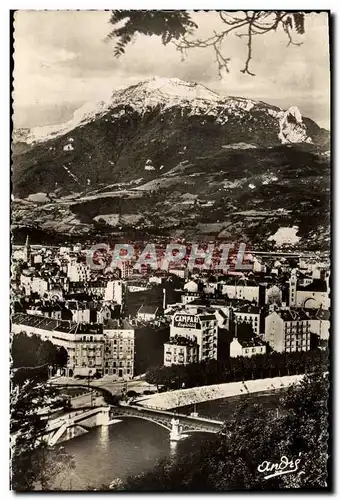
[
  {"x": 119, "y": 349},
  {"x": 288, "y": 330},
  {"x": 107, "y": 350},
  {"x": 115, "y": 291},
  {"x": 249, "y": 314},
  {"x": 180, "y": 351},
  {"x": 148, "y": 312},
  {"x": 200, "y": 327},
  {"x": 34, "y": 284},
  {"x": 246, "y": 348},
  {"x": 78, "y": 272},
  {"x": 88, "y": 354},
  {"x": 310, "y": 296},
  {"x": 241, "y": 289}
]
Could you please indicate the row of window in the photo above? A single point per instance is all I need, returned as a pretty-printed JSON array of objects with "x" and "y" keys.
[
  {"x": 113, "y": 371},
  {"x": 121, "y": 364},
  {"x": 291, "y": 342},
  {"x": 305, "y": 348},
  {"x": 253, "y": 349},
  {"x": 248, "y": 318}
]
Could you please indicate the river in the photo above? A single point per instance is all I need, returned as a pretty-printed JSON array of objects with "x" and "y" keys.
[{"x": 133, "y": 445}]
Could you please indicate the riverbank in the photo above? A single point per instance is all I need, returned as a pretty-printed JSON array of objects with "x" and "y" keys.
[{"x": 185, "y": 397}]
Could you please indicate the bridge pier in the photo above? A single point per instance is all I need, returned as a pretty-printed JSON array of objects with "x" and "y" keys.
[
  {"x": 103, "y": 417},
  {"x": 176, "y": 430}
]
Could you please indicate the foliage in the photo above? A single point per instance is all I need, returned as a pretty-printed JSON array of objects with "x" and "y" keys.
[
  {"x": 50, "y": 463},
  {"x": 179, "y": 27},
  {"x": 307, "y": 429},
  {"x": 166, "y": 24},
  {"x": 230, "y": 461},
  {"x": 30, "y": 351},
  {"x": 236, "y": 369},
  {"x": 33, "y": 462}
]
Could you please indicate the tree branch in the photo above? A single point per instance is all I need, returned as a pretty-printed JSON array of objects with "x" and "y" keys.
[{"x": 177, "y": 27}]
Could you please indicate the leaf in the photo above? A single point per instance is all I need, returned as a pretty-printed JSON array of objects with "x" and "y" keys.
[{"x": 299, "y": 22}]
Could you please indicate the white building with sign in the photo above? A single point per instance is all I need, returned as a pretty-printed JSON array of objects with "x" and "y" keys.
[{"x": 200, "y": 327}]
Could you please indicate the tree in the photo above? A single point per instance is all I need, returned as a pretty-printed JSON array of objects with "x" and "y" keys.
[
  {"x": 33, "y": 461},
  {"x": 269, "y": 365},
  {"x": 231, "y": 460},
  {"x": 50, "y": 463},
  {"x": 177, "y": 27},
  {"x": 306, "y": 429},
  {"x": 61, "y": 357},
  {"x": 167, "y": 24},
  {"x": 32, "y": 351}
]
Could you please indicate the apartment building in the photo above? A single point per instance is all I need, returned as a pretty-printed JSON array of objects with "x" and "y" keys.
[
  {"x": 248, "y": 314},
  {"x": 288, "y": 330},
  {"x": 199, "y": 325},
  {"x": 119, "y": 349},
  {"x": 180, "y": 351}
]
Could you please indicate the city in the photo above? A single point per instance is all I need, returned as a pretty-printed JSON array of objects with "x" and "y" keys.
[{"x": 106, "y": 319}]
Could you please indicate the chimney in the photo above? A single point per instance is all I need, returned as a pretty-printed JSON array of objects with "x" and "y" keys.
[{"x": 164, "y": 299}]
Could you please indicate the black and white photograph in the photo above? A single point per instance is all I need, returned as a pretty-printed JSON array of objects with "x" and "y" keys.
[{"x": 170, "y": 272}]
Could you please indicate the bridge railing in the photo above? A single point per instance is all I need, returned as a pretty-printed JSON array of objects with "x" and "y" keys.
[{"x": 172, "y": 414}]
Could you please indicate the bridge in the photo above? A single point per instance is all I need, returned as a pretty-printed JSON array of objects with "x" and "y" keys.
[
  {"x": 178, "y": 424},
  {"x": 65, "y": 427}
]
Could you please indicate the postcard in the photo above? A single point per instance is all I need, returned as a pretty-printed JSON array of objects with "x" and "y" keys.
[{"x": 170, "y": 264}]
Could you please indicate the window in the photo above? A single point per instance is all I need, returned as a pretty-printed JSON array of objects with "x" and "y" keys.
[
  {"x": 253, "y": 349},
  {"x": 246, "y": 351}
]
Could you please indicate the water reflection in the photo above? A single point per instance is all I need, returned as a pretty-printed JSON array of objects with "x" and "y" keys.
[
  {"x": 173, "y": 449},
  {"x": 104, "y": 437}
]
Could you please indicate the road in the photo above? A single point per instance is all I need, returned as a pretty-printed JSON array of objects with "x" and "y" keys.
[
  {"x": 87, "y": 400},
  {"x": 115, "y": 387}
]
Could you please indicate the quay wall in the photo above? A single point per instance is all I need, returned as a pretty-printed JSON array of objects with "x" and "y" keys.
[{"x": 184, "y": 397}]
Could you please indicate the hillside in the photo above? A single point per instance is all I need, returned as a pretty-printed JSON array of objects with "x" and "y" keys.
[{"x": 177, "y": 159}]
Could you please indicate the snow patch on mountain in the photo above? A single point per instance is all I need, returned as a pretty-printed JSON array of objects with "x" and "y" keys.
[
  {"x": 179, "y": 89},
  {"x": 81, "y": 116},
  {"x": 285, "y": 236}
]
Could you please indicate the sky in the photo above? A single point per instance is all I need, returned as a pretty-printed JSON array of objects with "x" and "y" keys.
[{"x": 62, "y": 60}]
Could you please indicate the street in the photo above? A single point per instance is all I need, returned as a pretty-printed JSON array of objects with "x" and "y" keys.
[{"x": 115, "y": 387}]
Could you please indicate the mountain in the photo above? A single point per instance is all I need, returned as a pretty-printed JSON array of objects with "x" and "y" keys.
[
  {"x": 171, "y": 155},
  {"x": 154, "y": 121}
]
